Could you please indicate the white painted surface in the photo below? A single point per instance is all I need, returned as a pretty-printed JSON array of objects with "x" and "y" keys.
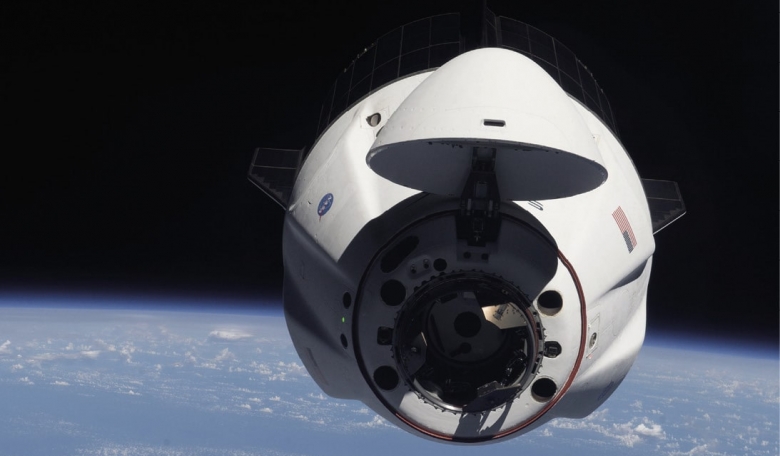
[
  {"x": 545, "y": 149},
  {"x": 436, "y": 106}
]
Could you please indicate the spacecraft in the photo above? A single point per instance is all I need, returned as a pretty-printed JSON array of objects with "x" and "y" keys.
[{"x": 467, "y": 244}]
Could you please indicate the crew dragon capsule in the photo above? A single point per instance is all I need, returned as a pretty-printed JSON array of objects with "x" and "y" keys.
[{"x": 467, "y": 244}]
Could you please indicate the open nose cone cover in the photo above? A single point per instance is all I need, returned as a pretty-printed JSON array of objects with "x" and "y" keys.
[{"x": 497, "y": 99}]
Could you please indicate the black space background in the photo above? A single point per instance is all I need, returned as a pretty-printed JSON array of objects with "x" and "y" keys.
[{"x": 127, "y": 131}]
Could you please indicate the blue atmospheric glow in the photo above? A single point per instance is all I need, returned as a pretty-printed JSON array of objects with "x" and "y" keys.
[{"x": 77, "y": 377}]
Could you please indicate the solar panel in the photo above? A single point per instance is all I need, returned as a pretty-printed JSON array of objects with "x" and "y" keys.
[
  {"x": 665, "y": 202},
  {"x": 274, "y": 171}
]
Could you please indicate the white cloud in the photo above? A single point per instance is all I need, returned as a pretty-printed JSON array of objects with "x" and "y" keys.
[
  {"x": 653, "y": 430},
  {"x": 285, "y": 369},
  {"x": 132, "y": 393},
  {"x": 376, "y": 422},
  {"x": 105, "y": 345},
  {"x": 26, "y": 380},
  {"x": 254, "y": 399},
  {"x": 5, "y": 348},
  {"x": 224, "y": 355},
  {"x": 127, "y": 352},
  {"x": 261, "y": 369},
  {"x": 60, "y": 383},
  {"x": 627, "y": 434},
  {"x": 275, "y": 398},
  {"x": 266, "y": 410},
  {"x": 299, "y": 416},
  {"x": 42, "y": 357},
  {"x": 189, "y": 358},
  {"x": 228, "y": 335},
  {"x": 701, "y": 449},
  {"x": 246, "y": 406},
  {"x": 292, "y": 368},
  {"x": 16, "y": 367},
  {"x": 89, "y": 354}
]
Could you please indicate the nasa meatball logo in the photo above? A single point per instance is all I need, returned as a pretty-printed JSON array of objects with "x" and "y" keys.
[{"x": 325, "y": 203}]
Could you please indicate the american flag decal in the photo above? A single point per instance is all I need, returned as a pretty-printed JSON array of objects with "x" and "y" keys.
[{"x": 625, "y": 228}]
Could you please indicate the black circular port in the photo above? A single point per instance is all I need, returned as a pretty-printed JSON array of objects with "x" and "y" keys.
[
  {"x": 386, "y": 378},
  {"x": 467, "y": 324},
  {"x": 552, "y": 349},
  {"x": 467, "y": 255},
  {"x": 543, "y": 389},
  {"x": 440, "y": 264},
  {"x": 344, "y": 341},
  {"x": 550, "y": 302},
  {"x": 393, "y": 292},
  {"x": 346, "y": 300}
]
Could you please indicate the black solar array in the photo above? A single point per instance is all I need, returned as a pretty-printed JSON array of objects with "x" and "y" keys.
[
  {"x": 555, "y": 58},
  {"x": 429, "y": 43},
  {"x": 274, "y": 172},
  {"x": 664, "y": 201},
  {"x": 421, "y": 45}
]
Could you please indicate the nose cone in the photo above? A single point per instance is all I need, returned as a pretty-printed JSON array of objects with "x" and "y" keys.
[{"x": 489, "y": 98}]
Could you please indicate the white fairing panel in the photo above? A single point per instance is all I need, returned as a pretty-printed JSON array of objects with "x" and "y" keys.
[
  {"x": 372, "y": 257},
  {"x": 336, "y": 166},
  {"x": 501, "y": 98}
]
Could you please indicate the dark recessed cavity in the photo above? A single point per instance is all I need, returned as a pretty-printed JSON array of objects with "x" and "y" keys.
[
  {"x": 543, "y": 389},
  {"x": 467, "y": 255},
  {"x": 440, "y": 264},
  {"x": 384, "y": 335},
  {"x": 386, "y": 378},
  {"x": 485, "y": 256},
  {"x": 550, "y": 302},
  {"x": 398, "y": 253},
  {"x": 593, "y": 338},
  {"x": 449, "y": 346},
  {"x": 552, "y": 349},
  {"x": 374, "y": 119},
  {"x": 467, "y": 324},
  {"x": 346, "y": 300},
  {"x": 344, "y": 341},
  {"x": 393, "y": 292},
  {"x": 493, "y": 123}
]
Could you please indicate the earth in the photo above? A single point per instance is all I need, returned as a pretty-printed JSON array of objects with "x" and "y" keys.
[{"x": 102, "y": 381}]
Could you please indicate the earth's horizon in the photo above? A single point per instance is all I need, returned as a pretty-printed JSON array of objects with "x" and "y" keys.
[{"x": 211, "y": 381}]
